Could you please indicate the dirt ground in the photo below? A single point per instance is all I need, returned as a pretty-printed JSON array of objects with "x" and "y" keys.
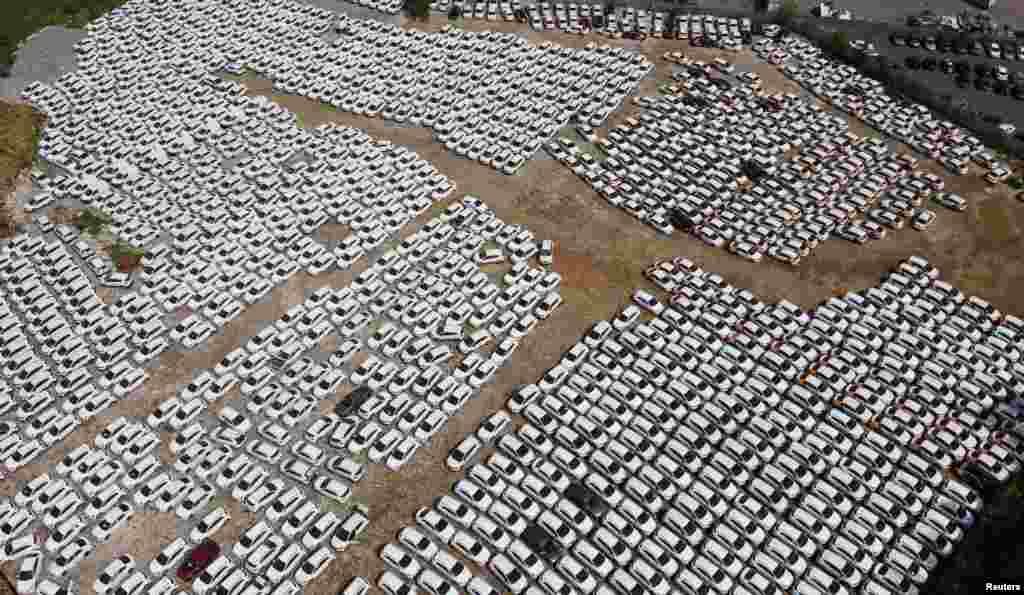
[{"x": 600, "y": 253}]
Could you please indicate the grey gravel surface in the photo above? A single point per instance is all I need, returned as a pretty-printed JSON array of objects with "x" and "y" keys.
[
  {"x": 1008, "y": 107},
  {"x": 45, "y": 56},
  {"x": 354, "y": 10},
  {"x": 1005, "y": 12}
]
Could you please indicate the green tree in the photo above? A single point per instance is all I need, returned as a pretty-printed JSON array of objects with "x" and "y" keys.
[
  {"x": 94, "y": 221},
  {"x": 839, "y": 43},
  {"x": 789, "y": 10},
  {"x": 418, "y": 9}
]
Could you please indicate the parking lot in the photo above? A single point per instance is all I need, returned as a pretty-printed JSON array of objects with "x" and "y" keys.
[
  {"x": 985, "y": 102},
  {"x": 543, "y": 197}
]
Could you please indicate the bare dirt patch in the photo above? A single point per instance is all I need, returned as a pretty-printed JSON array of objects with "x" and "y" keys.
[{"x": 332, "y": 233}]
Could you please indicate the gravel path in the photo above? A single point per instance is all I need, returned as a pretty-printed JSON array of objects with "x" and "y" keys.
[{"x": 45, "y": 56}]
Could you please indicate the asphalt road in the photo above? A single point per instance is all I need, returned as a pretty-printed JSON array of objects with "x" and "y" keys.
[
  {"x": 1009, "y": 108},
  {"x": 1005, "y": 12},
  {"x": 45, "y": 56}
]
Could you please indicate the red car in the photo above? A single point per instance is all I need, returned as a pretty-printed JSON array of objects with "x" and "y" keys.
[{"x": 198, "y": 560}]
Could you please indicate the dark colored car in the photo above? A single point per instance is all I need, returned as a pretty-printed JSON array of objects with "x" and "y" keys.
[
  {"x": 1001, "y": 88},
  {"x": 963, "y": 82},
  {"x": 680, "y": 220},
  {"x": 962, "y": 67},
  {"x": 198, "y": 560},
  {"x": 981, "y": 70},
  {"x": 351, "y": 402},
  {"x": 978, "y": 478},
  {"x": 983, "y": 84},
  {"x": 586, "y": 499},
  {"x": 541, "y": 542},
  {"x": 960, "y": 47},
  {"x": 913, "y": 62},
  {"x": 1017, "y": 92},
  {"x": 946, "y": 46},
  {"x": 929, "y": 64}
]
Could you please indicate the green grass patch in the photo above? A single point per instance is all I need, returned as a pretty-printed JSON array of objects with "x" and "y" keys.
[
  {"x": 975, "y": 279},
  {"x": 588, "y": 302},
  {"x": 995, "y": 220},
  {"x": 20, "y": 127}
]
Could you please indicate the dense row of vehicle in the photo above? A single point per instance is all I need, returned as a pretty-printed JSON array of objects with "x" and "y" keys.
[
  {"x": 848, "y": 90},
  {"x": 728, "y": 444},
  {"x": 715, "y": 167},
  {"x": 997, "y": 50}
]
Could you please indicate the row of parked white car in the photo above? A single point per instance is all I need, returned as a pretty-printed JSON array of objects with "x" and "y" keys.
[
  {"x": 865, "y": 98},
  {"x": 731, "y": 446},
  {"x": 686, "y": 163},
  {"x": 268, "y": 448},
  {"x": 65, "y": 359},
  {"x": 490, "y": 10}
]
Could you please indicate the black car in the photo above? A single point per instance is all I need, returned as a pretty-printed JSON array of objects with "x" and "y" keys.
[
  {"x": 1001, "y": 88},
  {"x": 946, "y": 46},
  {"x": 586, "y": 499},
  {"x": 960, "y": 47},
  {"x": 962, "y": 67},
  {"x": 351, "y": 402},
  {"x": 929, "y": 64},
  {"x": 680, "y": 220},
  {"x": 983, "y": 84},
  {"x": 913, "y": 62},
  {"x": 541, "y": 542},
  {"x": 963, "y": 82},
  {"x": 979, "y": 478},
  {"x": 721, "y": 84},
  {"x": 752, "y": 170},
  {"x": 981, "y": 70},
  {"x": 1017, "y": 92}
]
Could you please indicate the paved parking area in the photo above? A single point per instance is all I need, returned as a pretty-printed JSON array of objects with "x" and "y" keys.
[
  {"x": 1008, "y": 13},
  {"x": 989, "y": 103}
]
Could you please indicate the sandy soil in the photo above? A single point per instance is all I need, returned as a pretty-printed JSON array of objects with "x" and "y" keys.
[{"x": 600, "y": 253}]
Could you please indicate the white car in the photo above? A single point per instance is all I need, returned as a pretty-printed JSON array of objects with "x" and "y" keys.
[
  {"x": 113, "y": 574},
  {"x": 168, "y": 557},
  {"x": 209, "y": 524},
  {"x": 647, "y": 301},
  {"x": 28, "y": 572},
  {"x": 112, "y": 520},
  {"x": 285, "y": 563},
  {"x": 69, "y": 556},
  {"x": 314, "y": 564}
]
